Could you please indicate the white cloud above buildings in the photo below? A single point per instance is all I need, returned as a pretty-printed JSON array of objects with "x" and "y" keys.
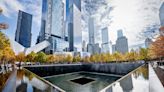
[{"x": 135, "y": 17}]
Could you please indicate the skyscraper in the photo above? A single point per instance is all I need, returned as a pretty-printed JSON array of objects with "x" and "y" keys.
[
  {"x": 148, "y": 42},
  {"x": 92, "y": 47},
  {"x": 119, "y": 33},
  {"x": 105, "y": 40},
  {"x": 161, "y": 16},
  {"x": 121, "y": 43},
  {"x": 74, "y": 25},
  {"x": 23, "y": 31},
  {"x": 91, "y": 29},
  {"x": 53, "y": 25},
  {"x": 84, "y": 46}
]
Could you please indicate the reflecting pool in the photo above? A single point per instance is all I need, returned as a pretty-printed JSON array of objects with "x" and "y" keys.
[
  {"x": 29, "y": 82},
  {"x": 82, "y": 81},
  {"x": 136, "y": 81}
]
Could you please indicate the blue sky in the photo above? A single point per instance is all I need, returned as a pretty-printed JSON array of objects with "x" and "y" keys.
[{"x": 136, "y": 17}]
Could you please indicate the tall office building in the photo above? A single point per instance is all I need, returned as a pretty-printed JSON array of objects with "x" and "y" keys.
[
  {"x": 121, "y": 43},
  {"x": 119, "y": 33},
  {"x": 74, "y": 25},
  {"x": 53, "y": 25},
  {"x": 148, "y": 42},
  {"x": 84, "y": 46},
  {"x": 91, "y": 29},
  {"x": 113, "y": 48},
  {"x": 161, "y": 16},
  {"x": 23, "y": 31},
  {"x": 105, "y": 40},
  {"x": 92, "y": 47}
]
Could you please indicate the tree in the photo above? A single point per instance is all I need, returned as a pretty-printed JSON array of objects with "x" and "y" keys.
[
  {"x": 157, "y": 47},
  {"x": 117, "y": 56},
  {"x": 143, "y": 54},
  {"x": 131, "y": 56},
  {"x": 77, "y": 58},
  {"x": 51, "y": 58},
  {"x": 31, "y": 57},
  {"x": 41, "y": 57},
  {"x": 104, "y": 57},
  {"x": 92, "y": 58},
  {"x": 6, "y": 53},
  {"x": 20, "y": 57},
  {"x": 69, "y": 58},
  {"x": 86, "y": 59}
]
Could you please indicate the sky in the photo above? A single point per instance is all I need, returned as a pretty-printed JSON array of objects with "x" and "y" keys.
[{"x": 137, "y": 18}]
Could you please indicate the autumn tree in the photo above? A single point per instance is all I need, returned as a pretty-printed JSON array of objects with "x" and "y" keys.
[
  {"x": 157, "y": 47},
  {"x": 131, "y": 56},
  {"x": 41, "y": 57},
  {"x": 69, "y": 58},
  {"x": 51, "y": 58},
  {"x": 77, "y": 58},
  {"x": 6, "y": 53},
  {"x": 31, "y": 57},
  {"x": 117, "y": 56},
  {"x": 92, "y": 58},
  {"x": 86, "y": 59}
]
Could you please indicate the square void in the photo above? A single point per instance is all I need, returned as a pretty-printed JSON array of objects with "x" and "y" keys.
[{"x": 82, "y": 81}]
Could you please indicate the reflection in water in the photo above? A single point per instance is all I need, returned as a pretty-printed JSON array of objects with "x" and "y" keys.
[
  {"x": 142, "y": 71},
  {"x": 127, "y": 84},
  {"x": 28, "y": 82},
  {"x": 3, "y": 79},
  {"x": 137, "y": 81},
  {"x": 100, "y": 81}
]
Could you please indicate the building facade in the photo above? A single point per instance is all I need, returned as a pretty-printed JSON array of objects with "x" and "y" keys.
[
  {"x": 121, "y": 43},
  {"x": 53, "y": 25},
  {"x": 161, "y": 16},
  {"x": 119, "y": 33},
  {"x": 93, "y": 48},
  {"x": 148, "y": 42},
  {"x": 91, "y": 30},
  {"x": 84, "y": 48},
  {"x": 105, "y": 41},
  {"x": 113, "y": 48},
  {"x": 74, "y": 25},
  {"x": 23, "y": 31}
]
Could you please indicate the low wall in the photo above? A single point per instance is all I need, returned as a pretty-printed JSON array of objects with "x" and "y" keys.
[
  {"x": 49, "y": 70},
  {"x": 109, "y": 68}
]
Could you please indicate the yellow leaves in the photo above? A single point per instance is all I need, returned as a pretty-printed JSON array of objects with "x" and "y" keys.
[{"x": 157, "y": 48}]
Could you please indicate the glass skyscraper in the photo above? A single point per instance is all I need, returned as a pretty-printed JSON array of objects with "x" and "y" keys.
[
  {"x": 105, "y": 40},
  {"x": 74, "y": 25},
  {"x": 23, "y": 31},
  {"x": 53, "y": 25},
  {"x": 91, "y": 29},
  {"x": 119, "y": 33},
  {"x": 121, "y": 43}
]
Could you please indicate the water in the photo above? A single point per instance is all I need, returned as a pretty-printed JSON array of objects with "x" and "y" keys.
[
  {"x": 137, "y": 81},
  {"x": 29, "y": 82},
  {"x": 94, "y": 81}
]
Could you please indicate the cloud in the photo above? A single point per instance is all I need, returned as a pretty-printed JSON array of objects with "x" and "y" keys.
[
  {"x": 135, "y": 17},
  {"x": 11, "y": 7}
]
